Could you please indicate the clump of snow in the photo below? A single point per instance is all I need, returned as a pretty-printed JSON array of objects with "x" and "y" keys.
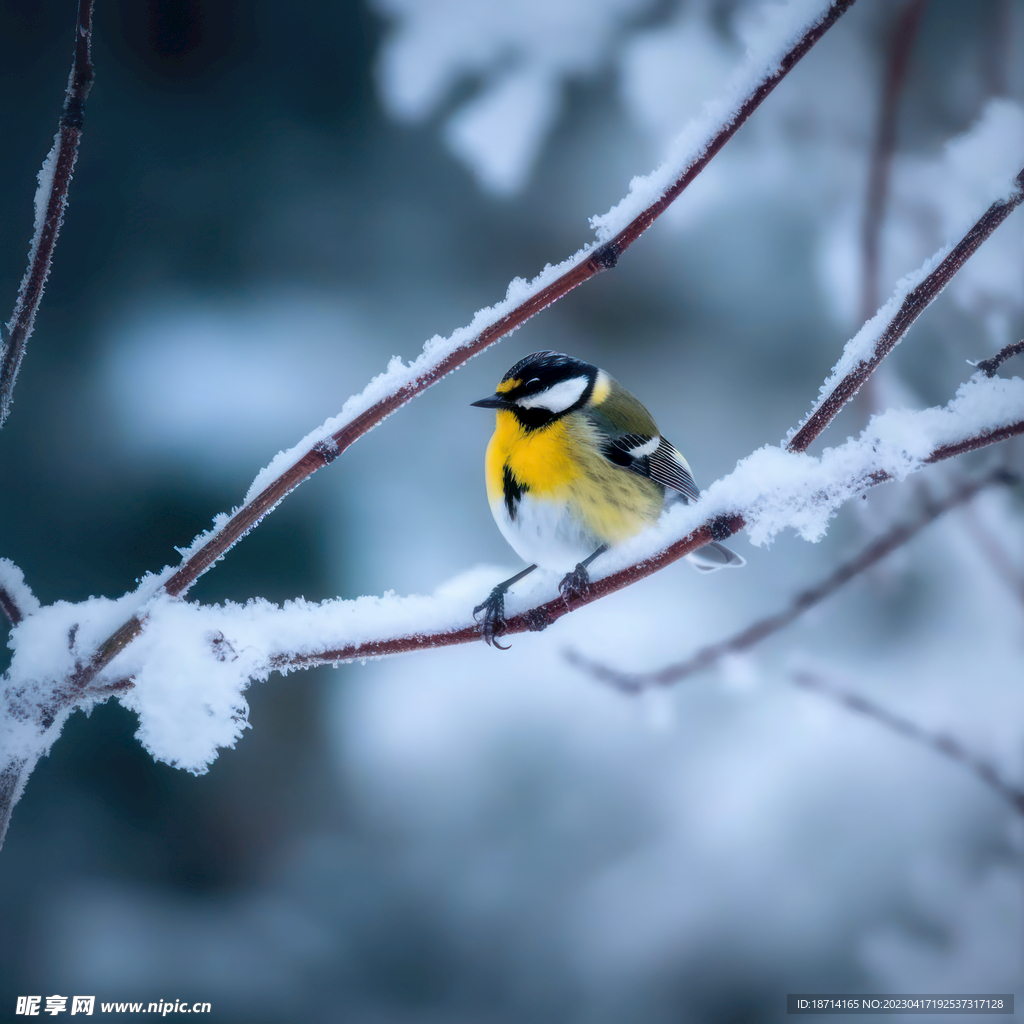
[
  {"x": 188, "y": 687},
  {"x": 498, "y": 134},
  {"x": 521, "y": 52}
]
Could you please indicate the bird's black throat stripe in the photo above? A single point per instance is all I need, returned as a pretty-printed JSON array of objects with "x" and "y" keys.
[{"x": 514, "y": 492}]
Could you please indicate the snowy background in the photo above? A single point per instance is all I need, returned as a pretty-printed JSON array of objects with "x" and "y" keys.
[{"x": 269, "y": 204}]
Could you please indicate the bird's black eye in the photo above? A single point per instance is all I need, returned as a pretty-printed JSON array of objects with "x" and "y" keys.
[{"x": 532, "y": 380}]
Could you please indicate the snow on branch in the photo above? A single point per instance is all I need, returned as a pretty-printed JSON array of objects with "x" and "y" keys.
[
  {"x": 186, "y": 673},
  {"x": 883, "y": 332},
  {"x": 769, "y": 491},
  {"x": 16, "y": 597},
  {"x": 50, "y": 202},
  {"x": 710, "y": 655},
  {"x": 783, "y": 44}
]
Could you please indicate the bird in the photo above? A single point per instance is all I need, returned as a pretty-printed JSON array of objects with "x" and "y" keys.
[{"x": 576, "y": 465}]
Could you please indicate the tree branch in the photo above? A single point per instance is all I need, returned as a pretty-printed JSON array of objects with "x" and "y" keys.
[
  {"x": 998, "y": 557},
  {"x": 16, "y": 598},
  {"x": 12, "y": 783},
  {"x": 51, "y": 201},
  {"x": 9, "y": 606},
  {"x": 717, "y": 527},
  {"x": 913, "y": 305},
  {"x": 939, "y": 742},
  {"x": 989, "y": 366},
  {"x": 882, "y": 151},
  {"x": 706, "y": 657}
]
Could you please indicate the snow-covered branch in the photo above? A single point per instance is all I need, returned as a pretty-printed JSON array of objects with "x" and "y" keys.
[
  {"x": 881, "y": 334},
  {"x": 712, "y": 654},
  {"x": 16, "y": 598},
  {"x": 769, "y": 491},
  {"x": 50, "y": 202}
]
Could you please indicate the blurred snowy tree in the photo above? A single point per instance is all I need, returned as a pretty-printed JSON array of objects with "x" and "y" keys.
[{"x": 508, "y": 839}]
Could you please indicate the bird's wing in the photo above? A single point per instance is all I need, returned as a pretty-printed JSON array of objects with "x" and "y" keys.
[{"x": 652, "y": 457}]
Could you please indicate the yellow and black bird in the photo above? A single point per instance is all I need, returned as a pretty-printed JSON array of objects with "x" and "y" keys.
[{"x": 576, "y": 465}]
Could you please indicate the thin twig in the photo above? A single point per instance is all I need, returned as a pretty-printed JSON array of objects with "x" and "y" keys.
[
  {"x": 989, "y": 366},
  {"x": 706, "y": 657},
  {"x": 939, "y": 742},
  {"x": 16, "y": 598},
  {"x": 882, "y": 151},
  {"x": 916, "y": 302},
  {"x": 51, "y": 201},
  {"x": 9, "y": 606},
  {"x": 998, "y": 557},
  {"x": 541, "y": 616},
  {"x": 12, "y": 781},
  {"x": 327, "y": 450}
]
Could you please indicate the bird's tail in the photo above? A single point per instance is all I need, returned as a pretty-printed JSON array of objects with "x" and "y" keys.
[{"x": 715, "y": 556}]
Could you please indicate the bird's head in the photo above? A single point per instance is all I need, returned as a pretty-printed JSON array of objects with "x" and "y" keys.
[{"x": 542, "y": 387}]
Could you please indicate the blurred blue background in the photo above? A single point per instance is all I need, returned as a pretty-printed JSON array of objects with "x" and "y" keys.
[{"x": 272, "y": 200}]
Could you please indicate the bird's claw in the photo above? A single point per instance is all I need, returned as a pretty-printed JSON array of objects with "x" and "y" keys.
[
  {"x": 491, "y": 624},
  {"x": 575, "y": 583}
]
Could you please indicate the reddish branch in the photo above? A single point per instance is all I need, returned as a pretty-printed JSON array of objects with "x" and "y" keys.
[
  {"x": 939, "y": 742},
  {"x": 542, "y": 616},
  {"x": 913, "y": 306},
  {"x": 989, "y": 366},
  {"x": 19, "y": 327},
  {"x": 706, "y": 657},
  {"x": 9, "y": 606},
  {"x": 323, "y": 452}
]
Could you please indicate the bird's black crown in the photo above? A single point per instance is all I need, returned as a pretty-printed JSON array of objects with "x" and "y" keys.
[{"x": 539, "y": 370}]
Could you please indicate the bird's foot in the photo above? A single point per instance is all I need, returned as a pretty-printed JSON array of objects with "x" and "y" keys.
[
  {"x": 490, "y": 617},
  {"x": 575, "y": 583}
]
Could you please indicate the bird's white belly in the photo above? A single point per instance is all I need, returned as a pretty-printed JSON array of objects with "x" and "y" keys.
[{"x": 545, "y": 533}]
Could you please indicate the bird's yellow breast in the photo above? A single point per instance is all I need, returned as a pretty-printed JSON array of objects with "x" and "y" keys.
[
  {"x": 538, "y": 459},
  {"x": 562, "y": 462}
]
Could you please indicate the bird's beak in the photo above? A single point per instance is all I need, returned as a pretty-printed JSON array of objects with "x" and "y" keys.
[{"x": 494, "y": 402}]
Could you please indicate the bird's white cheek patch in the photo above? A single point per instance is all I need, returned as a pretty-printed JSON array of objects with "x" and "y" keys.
[{"x": 558, "y": 397}]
